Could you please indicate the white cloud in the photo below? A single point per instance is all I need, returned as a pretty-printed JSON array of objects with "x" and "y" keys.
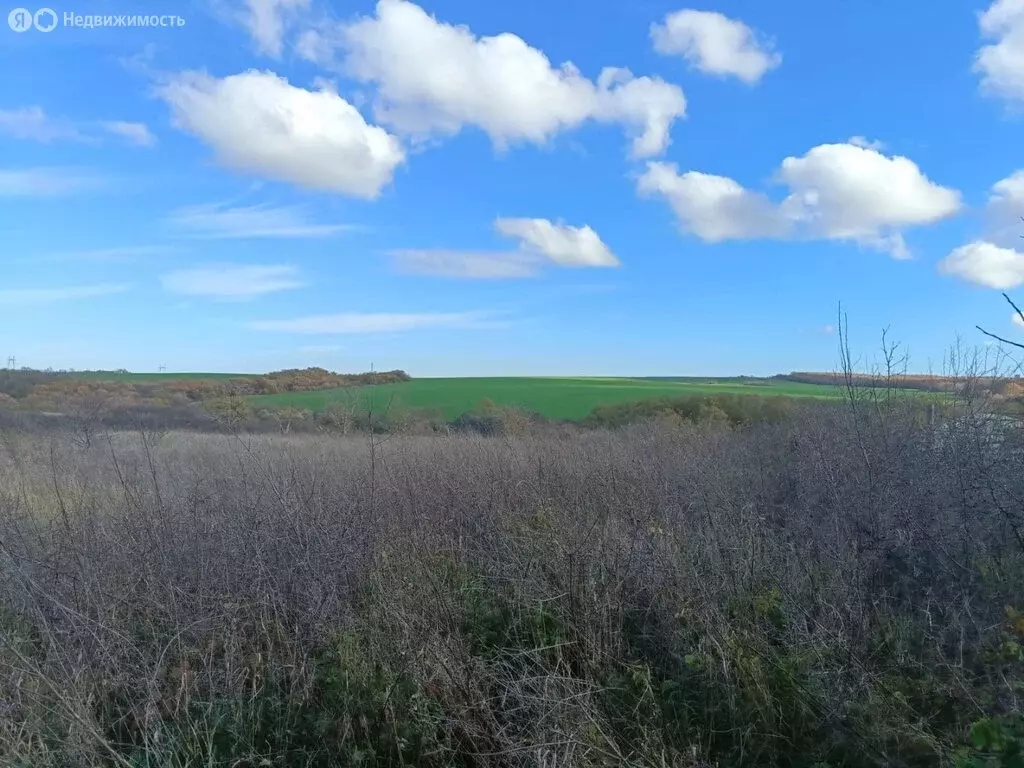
[
  {"x": 986, "y": 264},
  {"x": 258, "y": 123},
  {"x": 477, "y": 265},
  {"x": 562, "y": 244},
  {"x": 836, "y": 192},
  {"x": 46, "y": 182},
  {"x": 266, "y": 21},
  {"x": 434, "y": 78},
  {"x": 222, "y": 221},
  {"x": 1010, "y": 190},
  {"x": 1001, "y": 63},
  {"x": 993, "y": 260},
  {"x": 372, "y": 322},
  {"x": 714, "y": 208},
  {"x": 1004, "y": 210},
  {"x": 715, "y": 44},
  {"x": 232, "y": 281},
  {"x": 1017, "y": 319},
  {"x": 32, "y": 123},
  {"x": 136, "y": 133},
  {"x": 49, "y": 295},
  {"x": 845, "y": 192},
  {"x": 541, "y": 243}
]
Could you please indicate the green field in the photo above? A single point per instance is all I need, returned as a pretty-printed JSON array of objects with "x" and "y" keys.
[{"x": 553, "y": 397}]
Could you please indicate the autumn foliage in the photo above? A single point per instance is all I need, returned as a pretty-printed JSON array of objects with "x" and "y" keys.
[
  {"x": 42, "y": 390},
  {"x": 927, "y": 383}
]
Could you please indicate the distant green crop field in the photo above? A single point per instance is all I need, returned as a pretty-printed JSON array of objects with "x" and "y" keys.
[{"x": 557, "y": 398}]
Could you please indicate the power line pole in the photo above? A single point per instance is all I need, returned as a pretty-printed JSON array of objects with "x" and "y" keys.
[
  {"x": 163, "y": 368},
  {"x": 10, "y": 362}
]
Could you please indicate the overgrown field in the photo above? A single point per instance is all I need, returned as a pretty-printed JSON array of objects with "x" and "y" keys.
[
  {"x": 841, "y": 588},
  {"x": 554, "y": 398}
]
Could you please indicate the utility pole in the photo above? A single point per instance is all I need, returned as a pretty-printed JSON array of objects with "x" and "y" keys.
[
  {"x": 163, "y": 368},
  {"x": 10, "y": 362}
]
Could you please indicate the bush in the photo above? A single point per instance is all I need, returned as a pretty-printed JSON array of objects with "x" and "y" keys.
[
  {"x": 737, "y": 410},
  {"x": 839, "y": 587},
  {"x": 492, "y": 420}
]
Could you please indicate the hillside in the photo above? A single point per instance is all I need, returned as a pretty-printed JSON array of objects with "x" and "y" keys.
[
  {"x": 552, "y": 397},
  {"x": 53, "y": 390}
]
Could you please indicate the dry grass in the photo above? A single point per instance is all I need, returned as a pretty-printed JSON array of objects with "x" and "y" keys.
[{"x": 831, "y": 590}]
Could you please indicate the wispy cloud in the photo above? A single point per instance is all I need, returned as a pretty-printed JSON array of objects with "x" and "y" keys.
[
  {"x": 267, "y": 20},
  {"x": 320, "y": 349},
  {"x": 34, "y": 124},
  {"x": 22, "y": 296},
  {"x": 480, "y": 265},
  {"x": 121, "y": 254},
  {"x": 541, "y": 243},
  {"x": 865, "y": 143},
  {"x": 558, "y": 242},
  {"x": 232, "y": 281},
  {"x": 218, "y": 220},
  {"x": 136, "y": 133},
  {"x": 46, "y": 182},
  {"x": 372, "y": 322}
]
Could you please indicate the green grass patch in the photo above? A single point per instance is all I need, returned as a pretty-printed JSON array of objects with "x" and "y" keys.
[{"x": 552, "y": 397}]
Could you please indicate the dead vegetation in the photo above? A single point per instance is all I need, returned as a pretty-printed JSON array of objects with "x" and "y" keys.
[
  {"x": 841, "y": 587},
  {"x": 62, "y": 390}
]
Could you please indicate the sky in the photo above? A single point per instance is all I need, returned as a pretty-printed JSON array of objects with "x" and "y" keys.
[{"x": 461, "y": 188}]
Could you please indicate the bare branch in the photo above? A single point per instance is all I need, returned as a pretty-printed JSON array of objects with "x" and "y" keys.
[
  {"x": 1000, "y": 338},
  {"x": 1016, "y": 309}
]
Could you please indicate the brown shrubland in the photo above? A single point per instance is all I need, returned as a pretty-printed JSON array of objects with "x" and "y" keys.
[{"x": 839, "y": 587}]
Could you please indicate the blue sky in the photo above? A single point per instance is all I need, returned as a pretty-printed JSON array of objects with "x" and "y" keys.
[{"x": 465, "y": 188}]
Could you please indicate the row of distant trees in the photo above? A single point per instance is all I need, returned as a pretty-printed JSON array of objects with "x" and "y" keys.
[
  {"x": 998, "y": 385},
  {"x": 42, "y": 389}
]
